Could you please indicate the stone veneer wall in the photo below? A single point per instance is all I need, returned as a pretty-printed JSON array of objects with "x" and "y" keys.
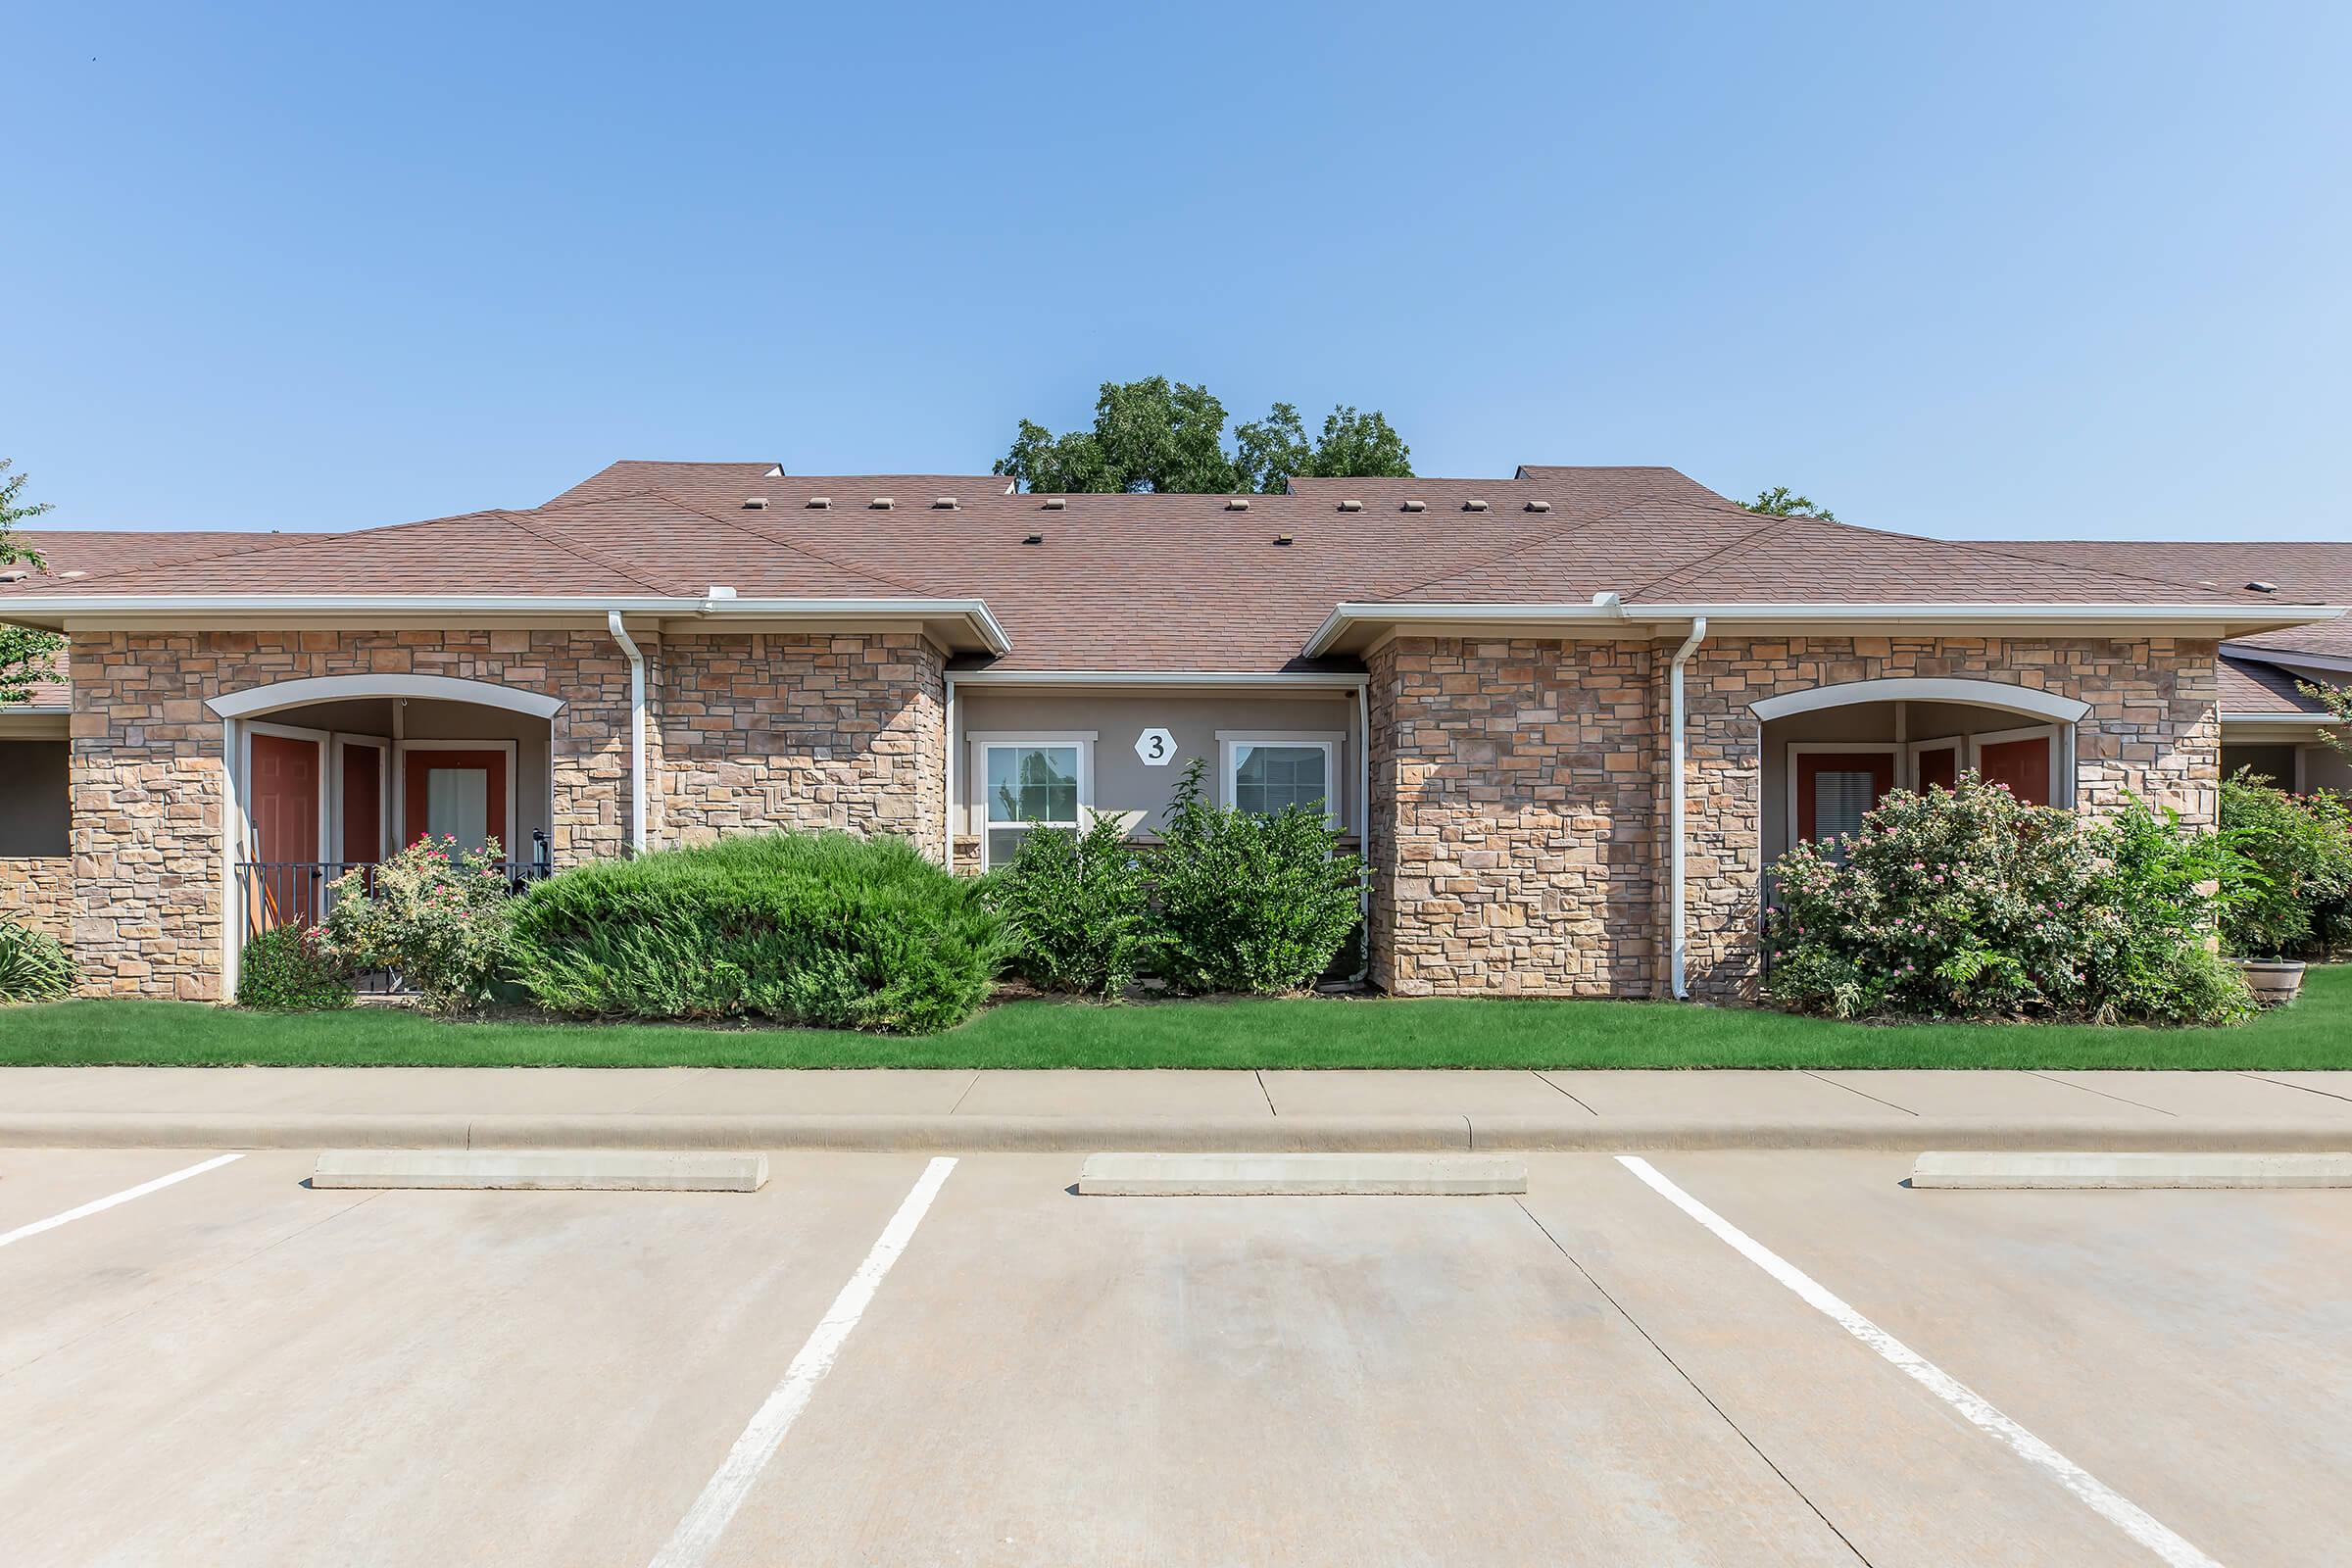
[
  {"x": 147, "y": 774},
  {"x": 37, "y": 890},
  {"x": 2154, "y": 731},
  {"x": 1513, "y": 830},
  {"x": 803, "y": 730},
  {"x": 1520, "y": 791}
]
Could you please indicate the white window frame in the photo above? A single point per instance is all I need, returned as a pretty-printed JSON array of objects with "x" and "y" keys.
[
  {"x": 400, "y": 788},
  {"x": 982, "y": 741},
  {"x": 1229, "y": 761}
]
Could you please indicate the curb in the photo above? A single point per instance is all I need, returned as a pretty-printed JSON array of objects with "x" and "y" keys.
[{"x": 937, "y": 1134}]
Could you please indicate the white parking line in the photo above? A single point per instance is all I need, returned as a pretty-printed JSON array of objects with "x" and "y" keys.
[
  {"x": 691, "y": 1543},
  {"x": 2117, "y": 1509},
  {"x": 98, "y": 1205}
]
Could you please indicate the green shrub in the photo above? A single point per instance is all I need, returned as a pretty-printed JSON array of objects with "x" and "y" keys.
[
  {"x": 1967, "y": 903},
  {"x": 293, "y": 968},
  {"x": 1243, "y": 902},
  {"x": 435, "y": 917},
  {"x": 2296, "y": 868},
  {"x": 1077, "y": 909},
  {"x": 820, "y": 929},
  {"x": 34, "y": 966}
]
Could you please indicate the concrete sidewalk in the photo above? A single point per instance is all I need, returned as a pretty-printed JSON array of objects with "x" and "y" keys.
[{"x": 947, "y": 1110}]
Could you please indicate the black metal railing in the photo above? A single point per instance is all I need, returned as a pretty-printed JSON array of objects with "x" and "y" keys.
[{"x": 300, "y": 893}]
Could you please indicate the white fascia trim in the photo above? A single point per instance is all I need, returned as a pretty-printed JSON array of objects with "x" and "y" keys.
[
  {"x": 2287, "y": 657},
  {"x": 1333, "y": 680},
  {"x": 1608, "y": 608},
  {"x": 1924, "y": 689},
  {"x": 2289, "y": 721},
  {"x": 1599, "y": 608},
  {"x": 334, "y": 688},
  {"x": 974, "y": 611}
]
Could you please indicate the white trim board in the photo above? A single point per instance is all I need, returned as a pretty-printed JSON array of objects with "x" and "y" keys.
[
  {"x": 1924, "y": 689},
  {"x": 338, "y": 688}
]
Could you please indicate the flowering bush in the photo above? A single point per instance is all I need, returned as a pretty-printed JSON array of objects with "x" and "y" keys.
[
  {"x": 2298, "y": 849},
  {"x": 1969, "y": 903},
  {"x": 434, "y": 916}
]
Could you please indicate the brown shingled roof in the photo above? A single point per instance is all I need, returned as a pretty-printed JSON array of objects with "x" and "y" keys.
[
  {"x": 1151, "y": 582},
  {"x": 2306, "y": 572}
]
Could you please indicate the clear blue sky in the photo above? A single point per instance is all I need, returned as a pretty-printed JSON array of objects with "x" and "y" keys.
[{"x": 1995, "y": 270}]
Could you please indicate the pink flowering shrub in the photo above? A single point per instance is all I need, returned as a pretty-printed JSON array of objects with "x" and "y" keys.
[
  {"x": 1970, "y": 903},
  {"x": 436, "y": 917}
]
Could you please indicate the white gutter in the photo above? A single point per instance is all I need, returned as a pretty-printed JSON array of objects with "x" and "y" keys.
[
  {"x": 1607, "y": 608},
  {"x": 1677, "y": 918},
  {"x": 976, "y": 611},
  {"x": 1336, "y": 681},
  {"x": 629, "y": 647},
  {"x": 2287, "y": 718}
]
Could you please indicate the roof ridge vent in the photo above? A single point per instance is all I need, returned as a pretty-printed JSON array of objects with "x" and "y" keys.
[
  {"x": 755, "y": 503},
  {"x": 1282, "y": 538},
  {"x": 819, "y": 503},
  {"x": 1474, "y": 504},
  {"x": 1414, "y": 506},
  {"x": 882, "y": 502},
  {"x": 1539, "y": 505},
  {"x": 14, "y": 574},
  {"x": 1352, "y": 505},
  {"x": 1033, "y": 538},
  {"x": 2261, "y": 587},
  {"x": 943, "y": 502},
  {"x": 1053, "y": 503},
  {"x": 1237, "y": 503}
]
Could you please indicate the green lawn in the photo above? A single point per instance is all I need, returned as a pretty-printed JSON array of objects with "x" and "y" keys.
[{"x": 1320, "y": 1032}]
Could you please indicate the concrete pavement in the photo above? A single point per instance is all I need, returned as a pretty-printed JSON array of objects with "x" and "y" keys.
[
  {"x": 950, "y": 1110},
  {"x": 240, "y": 1369}
]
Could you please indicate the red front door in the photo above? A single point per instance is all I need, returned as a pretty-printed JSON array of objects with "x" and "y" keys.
[
  {"x": 1835, "y": 788},
  {"x": 2022, "y": 765},
  {"x": 285, "y": 790},
  {"x": 363, "y": 805},
  {"x": 1939, "y": 766},
  {"x": 457, "y": 794}
]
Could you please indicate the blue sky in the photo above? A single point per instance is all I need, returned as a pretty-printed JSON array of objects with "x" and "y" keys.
[{"x": 1989, "y": 270}]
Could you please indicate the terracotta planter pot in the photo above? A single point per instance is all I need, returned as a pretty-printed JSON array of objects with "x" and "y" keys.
[{"x": 2275, "y": 981}]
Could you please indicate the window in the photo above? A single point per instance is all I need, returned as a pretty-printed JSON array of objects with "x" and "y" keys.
[
  {"x": 1266, "y": 774},
  {"x": 1026, "y": 783}
]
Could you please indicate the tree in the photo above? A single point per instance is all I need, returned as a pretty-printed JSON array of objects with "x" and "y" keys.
[
  {"x": 2338, "y": 701},
  {"x": 1168, "y": 437},
  {"x": 1780, "y": 502},
  {"x": 26, "y": 655}
]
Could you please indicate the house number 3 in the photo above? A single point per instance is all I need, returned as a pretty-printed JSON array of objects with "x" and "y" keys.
[{"x": 1156, "y": 747}]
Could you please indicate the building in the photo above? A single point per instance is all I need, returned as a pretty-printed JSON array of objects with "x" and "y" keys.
[{"x": 1569, "y": 716}]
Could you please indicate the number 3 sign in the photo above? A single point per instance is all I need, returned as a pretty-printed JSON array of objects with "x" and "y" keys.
[{"x": 1156, "y": 747}]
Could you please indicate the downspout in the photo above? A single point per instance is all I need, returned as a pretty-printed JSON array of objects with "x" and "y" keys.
[
  {"x": 947, "y": 813},
  {"x": 629, "y": 647},
  {"x": 1363, "y": 827},
  {"x": 1677, "y": 919}
]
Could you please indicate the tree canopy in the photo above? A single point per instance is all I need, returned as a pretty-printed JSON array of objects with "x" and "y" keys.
[
  {"x": 1166, "y": 437},
  {"x": 25, "y": 655},
  {"x": 1782, "y": 502}
]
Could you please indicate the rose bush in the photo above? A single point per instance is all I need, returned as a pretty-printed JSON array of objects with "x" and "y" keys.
[{"x": 434, "y": 916}]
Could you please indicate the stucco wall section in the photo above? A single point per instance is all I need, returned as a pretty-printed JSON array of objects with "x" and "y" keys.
[
  {"x": 148, "y": 782},
  {"x": 1513, "y": 830},
  {"x": 803, "y": 730},
  {"x": 2153, "y": 731},
  {"x": 37, "y": 890}
]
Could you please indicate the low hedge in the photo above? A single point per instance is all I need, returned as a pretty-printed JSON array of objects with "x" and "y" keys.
[
  {"x": 34, "y": 966},
  {"x": 822, "y": 929},
  {"x": 291, "y": 968}
]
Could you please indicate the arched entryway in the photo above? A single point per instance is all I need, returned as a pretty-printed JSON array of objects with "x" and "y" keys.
[
  {"x": 1831, "y": 753},
  {"x": 335, "y": 773}
]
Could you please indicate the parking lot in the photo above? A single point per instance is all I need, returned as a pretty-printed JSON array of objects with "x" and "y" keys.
[{"x": 234, "y": 1367}]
